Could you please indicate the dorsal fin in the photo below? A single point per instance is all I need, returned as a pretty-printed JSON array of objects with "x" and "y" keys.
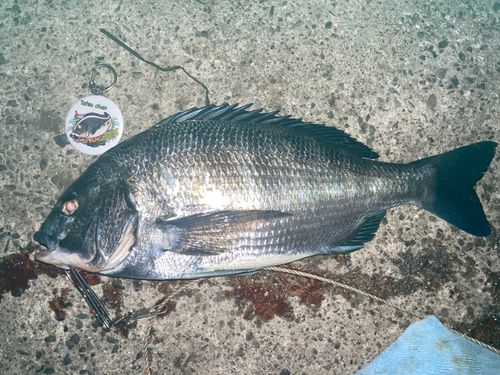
[{"x": 231, "y": 113}]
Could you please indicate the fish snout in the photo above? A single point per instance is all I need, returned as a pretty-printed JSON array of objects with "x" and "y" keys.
[
  {"x": 45, "y": 240},
  {"x": 52, "y": 255}
]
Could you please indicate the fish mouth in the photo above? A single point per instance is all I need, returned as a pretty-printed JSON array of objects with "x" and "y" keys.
[
  {"x": 45, "y": 240},
  {"x": 55, "y": 255}
]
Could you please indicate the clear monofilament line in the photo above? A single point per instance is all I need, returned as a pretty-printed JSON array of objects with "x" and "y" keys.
[
  {"x": 373, "y": 297},
  {"x": 160, "y": 306},
  {"x": 158, "y": 309},
  {"x": 344, "y": 286}
]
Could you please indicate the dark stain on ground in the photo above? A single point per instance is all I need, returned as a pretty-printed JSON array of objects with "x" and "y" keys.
[
  {"x": 431, "y": 269},
  {"x": 266, "y": 295},
  {"x": 124, "y": 329},
  {"x": 48, "y": 121},
  {"x": 437, "y": 265},
  {"x": 112, "y": 294},
  {"x": 91, "y": 278},
  {"x": 59, "y": 303},
  {"x": 16, "y": 270},
  {"x": 486, "y": 327}
]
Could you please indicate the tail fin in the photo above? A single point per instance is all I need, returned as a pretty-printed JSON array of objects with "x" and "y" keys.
[{"x": 451, "y": 195}]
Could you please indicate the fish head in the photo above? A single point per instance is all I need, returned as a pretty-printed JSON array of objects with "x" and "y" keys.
[
  {"x": 92, "y": 227},
  {"x": 81, "y": 129}
]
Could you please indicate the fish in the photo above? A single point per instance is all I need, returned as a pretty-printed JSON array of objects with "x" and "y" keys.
[
  {"x": 92, "y": 125},
  {"x": 224, "y": 190}
]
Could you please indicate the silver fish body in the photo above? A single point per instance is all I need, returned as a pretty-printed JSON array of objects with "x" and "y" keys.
[{"x": 222, "y": 190}]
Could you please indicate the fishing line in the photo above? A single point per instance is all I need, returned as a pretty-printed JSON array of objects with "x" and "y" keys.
[
  {"x": 303, "y": 274},
  {"x": 375, "y": 298},
  {"x": 167, "y": 69},
  {"x": 154, "y": 318},
  {"x": 344, "y": 286}
]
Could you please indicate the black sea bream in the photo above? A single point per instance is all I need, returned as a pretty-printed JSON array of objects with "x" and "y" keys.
[{"x": 222, "y": 190}]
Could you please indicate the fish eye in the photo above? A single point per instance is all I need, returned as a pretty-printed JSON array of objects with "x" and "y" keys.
[{"x": 70, "y": 207}]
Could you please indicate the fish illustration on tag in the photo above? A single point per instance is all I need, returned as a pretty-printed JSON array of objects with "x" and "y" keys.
[
  {"x": 94, "y": 125},
  {"x": 93, "y": 129}
]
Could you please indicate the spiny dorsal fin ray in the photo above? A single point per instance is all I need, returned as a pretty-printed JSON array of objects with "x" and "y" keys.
[{"x": 230, "y": 113}]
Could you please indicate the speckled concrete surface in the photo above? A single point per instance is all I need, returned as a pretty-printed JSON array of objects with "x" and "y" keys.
[{"x": 408, "y": 79}]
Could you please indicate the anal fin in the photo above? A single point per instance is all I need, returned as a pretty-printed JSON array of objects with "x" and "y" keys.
[{"x": 365, "y": 233}]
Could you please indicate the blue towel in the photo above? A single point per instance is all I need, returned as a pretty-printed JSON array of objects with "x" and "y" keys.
[{"x": 429, "y": 348}]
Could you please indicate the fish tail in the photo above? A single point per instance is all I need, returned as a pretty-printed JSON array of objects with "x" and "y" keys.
[{"x": 450, "y": 194}]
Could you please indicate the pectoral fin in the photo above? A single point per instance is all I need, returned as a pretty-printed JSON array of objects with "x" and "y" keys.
[{"x": 218, "y": 232}]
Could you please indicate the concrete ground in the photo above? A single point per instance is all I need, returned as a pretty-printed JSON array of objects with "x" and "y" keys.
[{"x": 409, "y": 79}]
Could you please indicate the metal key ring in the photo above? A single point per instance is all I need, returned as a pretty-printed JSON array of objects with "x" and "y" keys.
[{"x": 96, "y": 89}]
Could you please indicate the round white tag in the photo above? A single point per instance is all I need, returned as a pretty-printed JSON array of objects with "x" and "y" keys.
[{"x": 94, "y": 125}]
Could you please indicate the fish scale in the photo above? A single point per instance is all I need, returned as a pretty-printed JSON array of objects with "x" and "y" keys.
[{"x": 223, "y": 190}]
